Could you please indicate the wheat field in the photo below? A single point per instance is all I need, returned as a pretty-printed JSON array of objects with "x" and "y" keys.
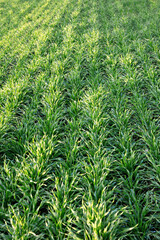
[{"x": 80, "y": 120}]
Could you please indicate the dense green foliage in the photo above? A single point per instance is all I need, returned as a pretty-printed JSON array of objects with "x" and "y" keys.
[{"x": 79, "y": 119}]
